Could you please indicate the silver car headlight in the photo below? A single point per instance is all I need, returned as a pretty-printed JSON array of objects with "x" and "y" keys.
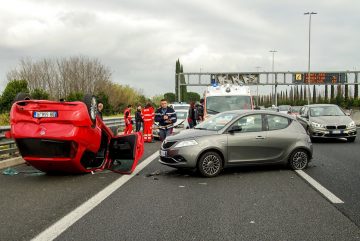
[
  {"x": 186, "y": 143},
  {"x": 351, "y": 125},
  {"x": 317, "y": 125}
]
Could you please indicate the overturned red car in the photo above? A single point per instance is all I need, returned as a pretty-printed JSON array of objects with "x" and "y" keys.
[{"x": 59, "y": 136}]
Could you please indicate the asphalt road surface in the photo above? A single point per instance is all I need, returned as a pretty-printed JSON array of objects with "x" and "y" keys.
[
  {"x": 161, "y": 203},
  {"x": 337, "y": 167}
]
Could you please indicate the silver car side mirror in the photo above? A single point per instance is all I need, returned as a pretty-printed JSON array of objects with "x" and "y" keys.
[{"x": 234, "y": 129}]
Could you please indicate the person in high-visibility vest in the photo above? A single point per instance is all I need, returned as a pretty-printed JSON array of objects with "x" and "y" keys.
[
  {"x": 148, "y": 115},
  {"x": 128, "y": 120}
]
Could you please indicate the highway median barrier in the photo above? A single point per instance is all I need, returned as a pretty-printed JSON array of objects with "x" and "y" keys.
[
  {"x": 355, "y": 115},
  {"x": 11, "y": 162}
]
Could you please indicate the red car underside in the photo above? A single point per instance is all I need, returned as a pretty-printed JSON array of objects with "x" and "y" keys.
[{"x": 69, "y": 142}]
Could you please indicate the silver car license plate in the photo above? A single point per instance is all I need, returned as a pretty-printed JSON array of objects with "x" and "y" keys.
[
  {"x": 45, "y": 114},
  {"x": 336, "y": 132},
  {"x": 163, "y": 153}
]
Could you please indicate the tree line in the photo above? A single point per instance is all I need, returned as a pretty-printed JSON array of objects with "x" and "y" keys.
[
  {"x": 69, "y": 79},
  {"x": 298, "y": 95}
]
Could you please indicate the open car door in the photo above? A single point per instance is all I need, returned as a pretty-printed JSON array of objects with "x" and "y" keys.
[{"x": 125, "y": 152}]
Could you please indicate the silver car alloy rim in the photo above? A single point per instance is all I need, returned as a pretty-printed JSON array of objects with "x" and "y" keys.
[
  {"x": 93, "y": 108},
  {"x": 211, "y": 164},
  {"x": 299, "y": 160}
]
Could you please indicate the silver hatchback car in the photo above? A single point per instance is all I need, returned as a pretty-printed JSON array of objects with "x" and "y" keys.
[{"x": 239, "y": 138}]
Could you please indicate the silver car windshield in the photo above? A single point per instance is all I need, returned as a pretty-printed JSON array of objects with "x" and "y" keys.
[
  {"x": 181, "y": 115},
  {"x": 217, "y": 104},
  {"x": 284, "y": 107},
  {"x": 326, "y": 111},
  {"x": 181, "y": 107},
  {"x": 216, "y": 122},
  {"x": 295, "y": 108}
]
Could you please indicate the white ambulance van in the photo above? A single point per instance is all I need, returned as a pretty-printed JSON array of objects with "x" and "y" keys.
[{"x": 219, "y": 98}]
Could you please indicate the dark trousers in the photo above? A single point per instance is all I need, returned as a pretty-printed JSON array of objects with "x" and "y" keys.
[
  {"x": 192, "y": 124},
  {"x": 164, "y": 133},
  {"x": 138, "y": 126}
]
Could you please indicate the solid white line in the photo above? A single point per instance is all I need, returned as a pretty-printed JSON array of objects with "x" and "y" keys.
[
  {"x": 329, "y": 195},
  {"x": 60, "y": 226}
]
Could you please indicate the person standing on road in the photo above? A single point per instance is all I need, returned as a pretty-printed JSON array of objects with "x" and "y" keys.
[
  {"x": 138, "y": 119},
  {"x": 192, "y": 116},
  {"x": 200, "y": 111},
  {"x": 148, "y": 116},
  {"x": 100, "y": 107},
  {"x": 128, "y": 120},
  {"x": 166, "y": 117}
]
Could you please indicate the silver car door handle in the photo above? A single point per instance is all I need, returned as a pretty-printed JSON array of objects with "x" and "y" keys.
[{"x": 260, "y": 137}]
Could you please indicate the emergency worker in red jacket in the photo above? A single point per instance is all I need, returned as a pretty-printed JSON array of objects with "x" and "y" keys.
[
  {"x": 148, "y": 115},
  {"x": 128, "y": 120}
]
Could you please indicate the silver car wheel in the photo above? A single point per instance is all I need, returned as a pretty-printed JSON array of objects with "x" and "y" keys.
[
  {"x": 299, "y": 160},
  {"x": 211, "y": 165}
]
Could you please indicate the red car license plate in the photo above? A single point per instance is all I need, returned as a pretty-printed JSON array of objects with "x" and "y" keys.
[{"x": 45, "y": 114}]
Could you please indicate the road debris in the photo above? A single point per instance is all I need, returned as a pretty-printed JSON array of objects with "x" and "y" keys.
[
  {"x": 156, "y": 173},
  {"x": 10, "y": 171},
  {"x": 34, "y": 173}
]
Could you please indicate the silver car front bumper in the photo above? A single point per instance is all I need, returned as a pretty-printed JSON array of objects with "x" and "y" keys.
[
  {"x": 336, "y": 133},
  {"x": 180, "y": 157}
]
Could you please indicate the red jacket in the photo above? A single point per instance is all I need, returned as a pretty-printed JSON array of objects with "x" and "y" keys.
[
  {"x": 127, "y": 116},
  {"x": 148, "y": 114}
]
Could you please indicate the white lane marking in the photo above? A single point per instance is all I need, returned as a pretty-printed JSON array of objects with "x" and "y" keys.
[
  {"x": 60, "y": 226},
  {"x": 329, "y": 195}
]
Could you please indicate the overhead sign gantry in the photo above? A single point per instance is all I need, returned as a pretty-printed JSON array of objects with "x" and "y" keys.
[{"x": 274, "y": 79}]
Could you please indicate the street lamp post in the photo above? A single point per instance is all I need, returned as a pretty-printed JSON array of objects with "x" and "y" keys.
[
  {"x": 257, "y": 86},
  {"x": 200, "y": 76},
  {"x": 272, "y": 87},
  {"x": 308, "y": 79}
]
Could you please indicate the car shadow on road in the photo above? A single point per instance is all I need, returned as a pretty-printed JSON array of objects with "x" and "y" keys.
[
  {"x": 254, "y": 169},
  {"x": 25, "y": 170},
  {"x": 192, "y": 173},
  {"x": 330, "y": 141},
  {"x": 173, "y": 172}
]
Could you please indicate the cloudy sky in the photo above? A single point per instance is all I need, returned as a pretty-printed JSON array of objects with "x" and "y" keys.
[{"x": 140, "y": 40}]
